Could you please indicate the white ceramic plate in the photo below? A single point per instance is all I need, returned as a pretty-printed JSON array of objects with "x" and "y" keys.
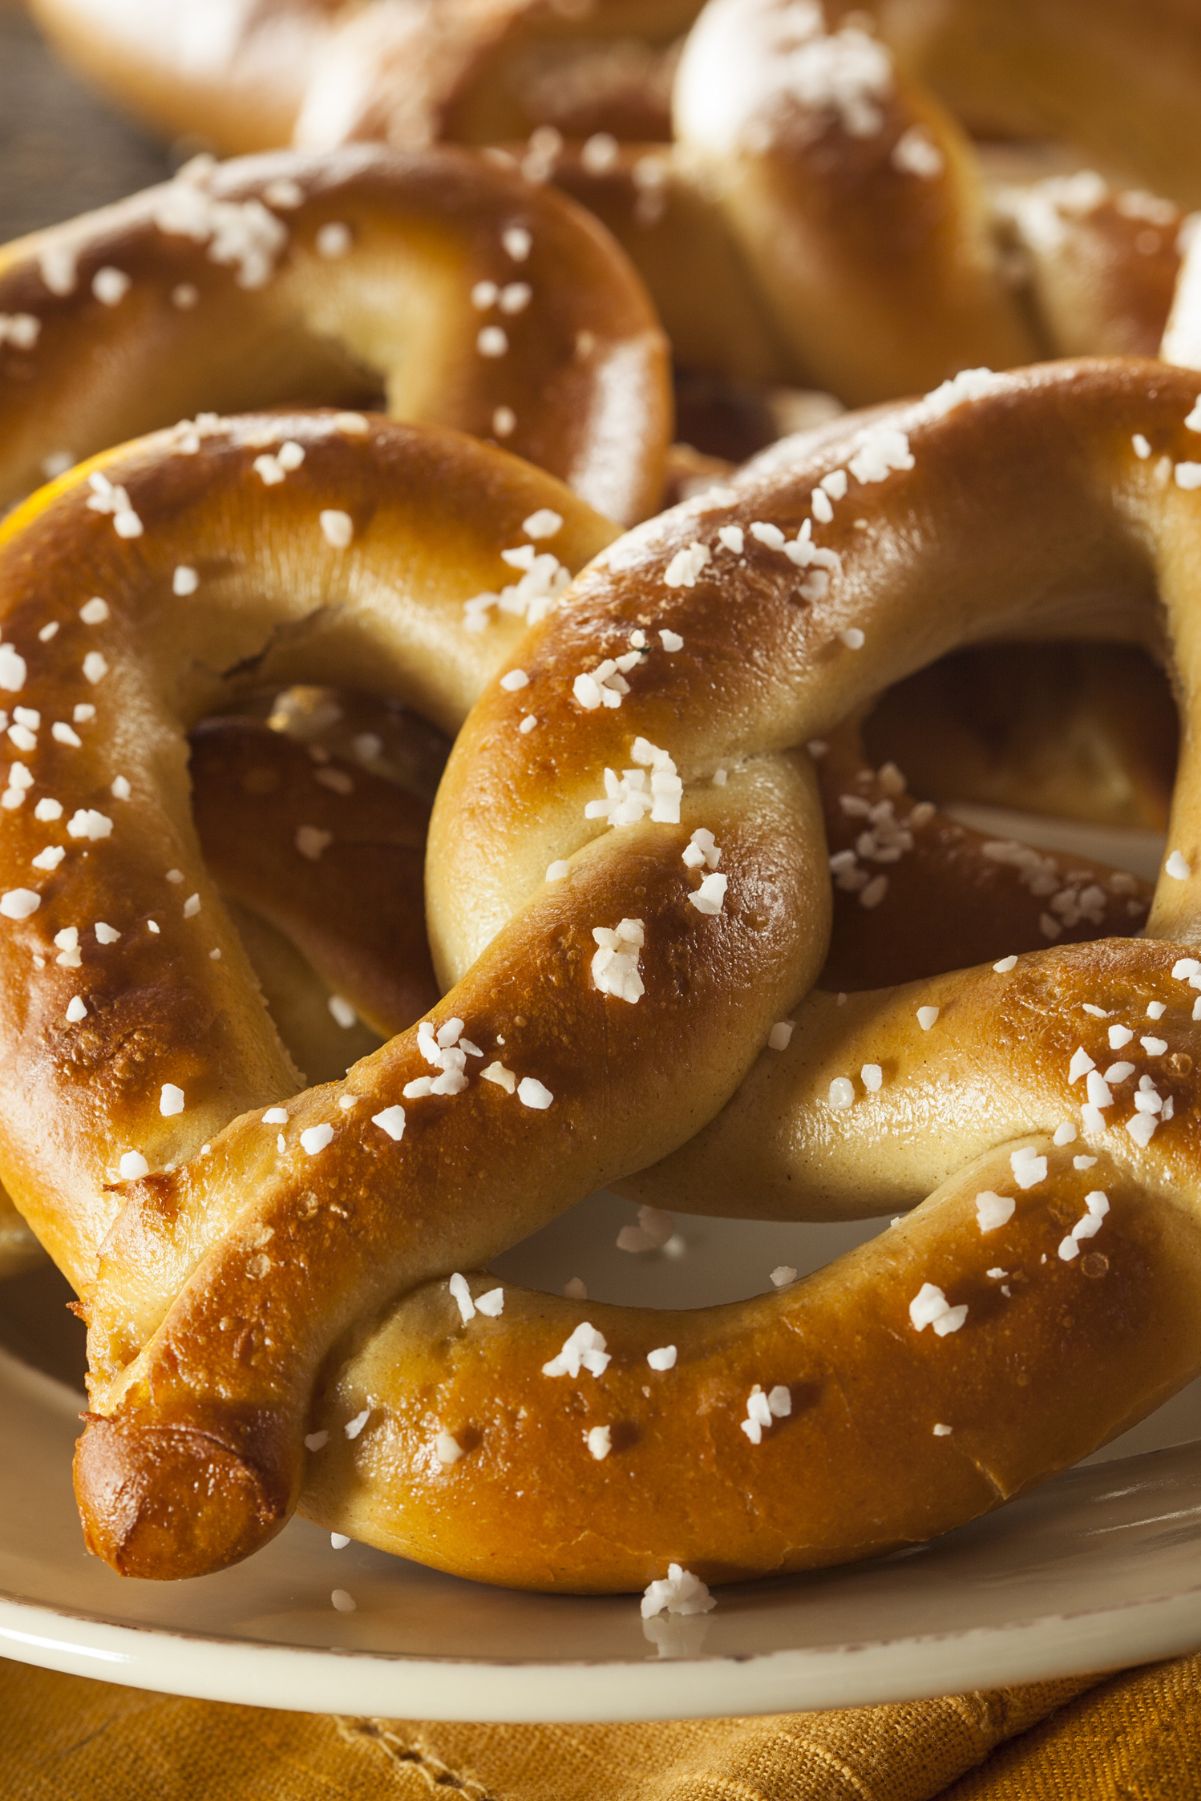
[{"x": 1100, "y": 1567}]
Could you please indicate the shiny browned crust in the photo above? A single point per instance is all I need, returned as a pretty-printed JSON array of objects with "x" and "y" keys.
[
  {"x": 340, "y": 278},
  {"x": 1035, "y": 481}
]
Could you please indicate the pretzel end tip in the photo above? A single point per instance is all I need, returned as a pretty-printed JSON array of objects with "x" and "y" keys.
[{"x": 164, "y": 1502}]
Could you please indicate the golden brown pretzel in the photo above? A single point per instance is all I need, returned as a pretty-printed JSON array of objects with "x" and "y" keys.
[
  {"x": 822, "y": 216},
  {"x": 462, "y": 295},
  {"x": 180, "y": 1399}
]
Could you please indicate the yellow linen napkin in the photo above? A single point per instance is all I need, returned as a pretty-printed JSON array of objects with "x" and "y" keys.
[{"x": 1136, "y": 1737}]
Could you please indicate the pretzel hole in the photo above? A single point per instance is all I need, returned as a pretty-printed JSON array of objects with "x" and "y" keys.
[
  {"x": 312, "y": 813},
  {"x": 1051, "y": 768},
  {"x": 1086, "y": 733}
]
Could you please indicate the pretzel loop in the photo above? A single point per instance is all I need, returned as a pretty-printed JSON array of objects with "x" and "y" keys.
[{"x": 469, "y": 298}]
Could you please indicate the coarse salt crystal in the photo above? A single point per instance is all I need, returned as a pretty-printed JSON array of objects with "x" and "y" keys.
[
  {"x": 1028, "y": 1167},
  {"x": 337, "y": 527},
  {"x": 993, "y": 1210},
  {"x": 678, "y": 1592},
  {"x": 930, "y": 1307},
  {"x": 583, "y": 1350},
  {"x": 392, "y": 1121}
]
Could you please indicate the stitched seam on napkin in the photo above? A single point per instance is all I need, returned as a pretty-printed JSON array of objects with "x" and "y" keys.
[
  {"x": 439, "y": 1775},
  {"x": 850, "y": 1781}
]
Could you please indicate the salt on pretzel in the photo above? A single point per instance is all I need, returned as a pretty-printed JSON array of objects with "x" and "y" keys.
[
  {"x": 845, "y": 232},
  {"x": 339, "y": 947},
  {"x": 466, "y": 297},
  {"x": 821, "y": 216},
  {"x": 205, "y": 1343}
]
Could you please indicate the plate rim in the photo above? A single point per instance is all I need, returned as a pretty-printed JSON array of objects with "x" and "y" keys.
[{"x": 343, "y": 1680}]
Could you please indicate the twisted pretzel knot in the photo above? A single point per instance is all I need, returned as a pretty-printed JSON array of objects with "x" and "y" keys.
[
  {"x": 821, "y": 215},
  {"x": 207, "y": 1347},
  {"x": 86, "y": 300}
]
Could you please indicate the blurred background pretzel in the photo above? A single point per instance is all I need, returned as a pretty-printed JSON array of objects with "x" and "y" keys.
[
  {"x": 181, "y": 1398},
  {"x": 860, "y": 199}
]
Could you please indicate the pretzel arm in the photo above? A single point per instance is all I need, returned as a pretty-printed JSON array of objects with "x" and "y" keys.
[
  {"x": 856, "y": 1468},
  {"x": 263, "y": 608}
]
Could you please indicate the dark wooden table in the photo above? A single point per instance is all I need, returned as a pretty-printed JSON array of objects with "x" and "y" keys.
[{"x": 62, "y": 150}]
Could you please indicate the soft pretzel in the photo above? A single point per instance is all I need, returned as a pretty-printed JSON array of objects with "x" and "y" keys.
[
  {"x": 821, "y": 215},
  {"x": 466, "y": 297},
  {"x": 205, "y": 1341},
  {"x": 354, "y": 922}
]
